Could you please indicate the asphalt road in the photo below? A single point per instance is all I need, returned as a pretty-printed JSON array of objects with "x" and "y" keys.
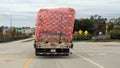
[{"x": 85, "y": 55}]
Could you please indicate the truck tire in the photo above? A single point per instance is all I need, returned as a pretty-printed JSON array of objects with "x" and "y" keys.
[
  {"x": 36, "y": 53},
  {"x": 34, "y": 45},
  {"x": 66, "y": 55},
  {"x": 71, "y": 45}
]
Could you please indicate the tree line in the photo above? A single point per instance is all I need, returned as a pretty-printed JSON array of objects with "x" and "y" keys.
[{"x": 93, "y": 25}]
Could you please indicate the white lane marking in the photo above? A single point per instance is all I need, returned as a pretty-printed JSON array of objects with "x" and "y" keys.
[
  {"x": 97, "y": 54},
  {"x": 95, "y": 51},
  {"x": 90, "y": 61}
]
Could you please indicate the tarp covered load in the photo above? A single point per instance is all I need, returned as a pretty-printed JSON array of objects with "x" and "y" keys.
[{"x": 55, "y": 24}]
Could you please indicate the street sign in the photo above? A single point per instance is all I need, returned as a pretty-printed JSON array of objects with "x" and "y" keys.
[
  {"x": 5, "y": 27},
  {"x": 85, "y": 32},
  {"x": 19, "y": 28},
  {"x": 80, "y": 31},
  {"x": 106, "y": 28}
]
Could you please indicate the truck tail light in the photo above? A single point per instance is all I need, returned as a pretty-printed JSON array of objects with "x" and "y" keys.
[
  {"x": 38, "y": 46},
  {"x": 67, "y": 46}
]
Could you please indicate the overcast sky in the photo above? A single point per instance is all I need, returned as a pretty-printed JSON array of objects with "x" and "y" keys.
[{"x": 23, "y": 12}]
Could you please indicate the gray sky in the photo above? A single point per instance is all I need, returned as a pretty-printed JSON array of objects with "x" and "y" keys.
[{"x": 24, "y": 12}]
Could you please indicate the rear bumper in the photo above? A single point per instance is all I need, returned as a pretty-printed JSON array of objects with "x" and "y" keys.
[
  {"x": 47, "y": 52},
  {"x": 52, "y": 54}
]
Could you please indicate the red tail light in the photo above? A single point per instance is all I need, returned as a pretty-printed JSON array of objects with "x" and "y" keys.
[
  {"x": 38, "y": 46},
  {"x": 67, "y": 46}
]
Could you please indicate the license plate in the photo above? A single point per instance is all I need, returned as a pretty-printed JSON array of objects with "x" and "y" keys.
[{"x": 53, "y": 50}]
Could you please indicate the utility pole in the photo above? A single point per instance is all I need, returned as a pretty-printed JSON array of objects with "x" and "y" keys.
[{"x": 10, "y": 20}]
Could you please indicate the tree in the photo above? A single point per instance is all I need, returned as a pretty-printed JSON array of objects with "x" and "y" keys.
[
  {"x": 1, "y": 34},
  {"x": 99, "y": 23},
  {"x": 116, "y": 21},
  {"x": 83, "y": 24},
  {"x": 110, "y": 26},
  {"x": 76, "y": 25},
  {"x": 94, "y": 25}
]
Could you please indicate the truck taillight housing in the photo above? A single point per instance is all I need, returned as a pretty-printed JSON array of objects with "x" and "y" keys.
[
  {"x": 68, "y": 46},
  {"x": 38, "y": 46}
]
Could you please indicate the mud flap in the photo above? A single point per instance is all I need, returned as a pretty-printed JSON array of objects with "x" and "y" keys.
[{"x": 71, "y": 45}]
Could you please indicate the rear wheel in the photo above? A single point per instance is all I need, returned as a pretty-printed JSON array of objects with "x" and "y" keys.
[
  {"x": 36, "y": 53},
  {"x": 34, "y": 44},
  {"x": 65, "y": 55}
]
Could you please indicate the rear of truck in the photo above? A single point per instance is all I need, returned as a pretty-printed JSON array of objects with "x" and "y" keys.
[{"x": 53, "y": 34}]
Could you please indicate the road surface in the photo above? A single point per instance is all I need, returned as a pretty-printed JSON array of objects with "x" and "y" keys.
[{"x": 85, "y": 55}]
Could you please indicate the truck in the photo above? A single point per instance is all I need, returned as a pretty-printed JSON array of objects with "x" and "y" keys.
[{"x": 53, "y": 31}]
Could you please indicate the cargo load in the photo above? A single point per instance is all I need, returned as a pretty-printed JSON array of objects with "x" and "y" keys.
[{"x": 56, "y": 24}]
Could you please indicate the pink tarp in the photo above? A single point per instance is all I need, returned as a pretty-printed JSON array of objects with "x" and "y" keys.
[{"x": 54, "y": 24}]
